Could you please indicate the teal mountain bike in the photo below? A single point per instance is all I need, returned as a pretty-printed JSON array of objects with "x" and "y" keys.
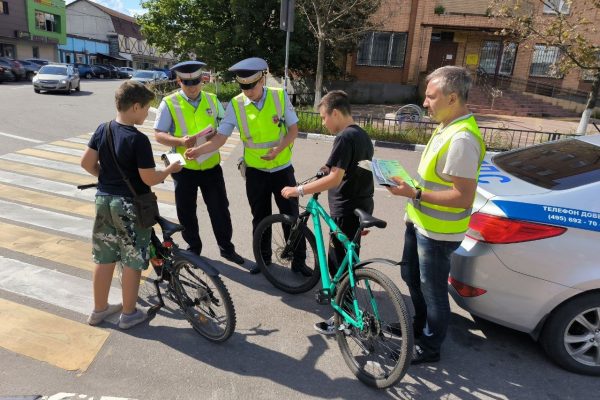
[{"x": 372, "y": 323}]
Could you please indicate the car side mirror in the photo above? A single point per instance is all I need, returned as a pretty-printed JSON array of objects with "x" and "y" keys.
[{"x": 35, "y": 72}]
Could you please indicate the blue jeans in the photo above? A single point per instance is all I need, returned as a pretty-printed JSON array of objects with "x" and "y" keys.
[{"x": 425, "y": 267}]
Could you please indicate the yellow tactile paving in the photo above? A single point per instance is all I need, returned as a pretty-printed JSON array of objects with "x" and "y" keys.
[{"x": 46, "y": 337}]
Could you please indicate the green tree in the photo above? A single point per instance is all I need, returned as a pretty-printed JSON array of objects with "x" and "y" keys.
[
  {"x": 337, "y": 25},
  {"x": 564, "y": 24},
  {"x": 223, "y": 32}
]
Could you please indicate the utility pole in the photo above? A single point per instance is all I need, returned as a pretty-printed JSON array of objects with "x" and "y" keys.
[{"x": 286, "y": 23}]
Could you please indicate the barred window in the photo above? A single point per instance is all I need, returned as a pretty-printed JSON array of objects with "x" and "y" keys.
[
  {"x": 544, "y": 57},
  {"x": 552, "y": 6},
  {"x": 3, "y": 7},
  {"x": 382, "y": 49}
]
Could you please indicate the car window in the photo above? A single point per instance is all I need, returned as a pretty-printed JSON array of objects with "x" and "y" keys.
[
  {"x": 558, "y": 165},
  {"x": 144, "y": 74},
  {"x": 53, "y": 70}
]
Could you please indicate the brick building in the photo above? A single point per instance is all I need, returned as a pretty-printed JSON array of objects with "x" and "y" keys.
[{"x": 418, "y": 36}]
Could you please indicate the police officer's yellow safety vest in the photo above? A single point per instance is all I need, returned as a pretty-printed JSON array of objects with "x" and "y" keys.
[
  {"x": 261, "y": 130},
  {"x": 189, "y": 121},
  {"x": 432, "y": 217}
]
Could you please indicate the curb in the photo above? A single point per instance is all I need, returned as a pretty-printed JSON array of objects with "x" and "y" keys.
[{"x": 376, "y": 143}]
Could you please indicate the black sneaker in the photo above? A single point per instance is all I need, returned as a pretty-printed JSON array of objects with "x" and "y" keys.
[
  {"x": 422, "y": 355},
  {"x": 233, "y": 257},
  {"x": 301, "y": 268}
]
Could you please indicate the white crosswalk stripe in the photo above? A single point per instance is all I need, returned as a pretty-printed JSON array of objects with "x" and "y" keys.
[{"x": 45, "y": 220}]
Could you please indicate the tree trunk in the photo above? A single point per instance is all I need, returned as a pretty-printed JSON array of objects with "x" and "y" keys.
[
  {"x": 319, "y": 75},
  {"x": 591, "y": 104}
]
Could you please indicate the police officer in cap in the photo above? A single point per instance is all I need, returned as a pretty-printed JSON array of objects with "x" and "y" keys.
[
  {"x": 268, "y": 127},
  {"x": 181, "y": 116}
]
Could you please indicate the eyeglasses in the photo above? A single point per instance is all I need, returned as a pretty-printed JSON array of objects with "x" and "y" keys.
[
  {"x": 191, "y": 82},
  {"x": 248, "y": 86}
]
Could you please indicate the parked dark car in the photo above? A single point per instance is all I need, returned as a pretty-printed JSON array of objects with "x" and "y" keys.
[
  {"x": 40, "y": 61},
  {"x": 85, "y": 70},
  {"x": 15, "y": 67},
  {"x": 30, "y": 68},
  {"x": 100, "y": 71},
  {"x": 113, "y": 72},
  {"x": 6, "y": 74}
]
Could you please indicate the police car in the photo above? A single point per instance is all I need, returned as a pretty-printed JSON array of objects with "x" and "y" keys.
[{"x": 529, "y": 260}]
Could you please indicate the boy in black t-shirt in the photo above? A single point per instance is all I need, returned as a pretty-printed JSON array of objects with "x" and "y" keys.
[
  {"x": 349, "y": 186},
  {"x": 117, "y": 235}
]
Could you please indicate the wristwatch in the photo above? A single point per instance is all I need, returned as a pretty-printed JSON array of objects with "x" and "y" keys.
[{"x": 417, "y": 199}]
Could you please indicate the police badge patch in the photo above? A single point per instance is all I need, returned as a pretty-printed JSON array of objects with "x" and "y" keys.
[
  {"x": 275, "y": 119},
  {"x": 209, "y": 111}
]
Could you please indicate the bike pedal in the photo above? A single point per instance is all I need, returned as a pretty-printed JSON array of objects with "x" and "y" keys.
[{"x": 323, "y": 297}]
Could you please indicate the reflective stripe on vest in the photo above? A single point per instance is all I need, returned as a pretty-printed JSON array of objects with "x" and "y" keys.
[
  {"x": 432, "y": 217},
  {"x": 261, "y": 130},
  {"x": 189, "y": 121}
]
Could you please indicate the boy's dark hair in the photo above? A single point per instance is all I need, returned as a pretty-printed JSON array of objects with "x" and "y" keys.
[
  {"x": 131, "y": 92},
  {"x": 336, "y": 100}
]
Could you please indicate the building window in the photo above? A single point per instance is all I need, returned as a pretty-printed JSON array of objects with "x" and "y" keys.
[
  {"x": 47, "y": 22},
  {"x": 556, "y": 6},
  {"x": 544, "y": 58},
  {"x": 382, "y": 49},
  {"x": 589, "y": 75},
  {"x": 79, "y": 58},
  {"x": 35, "y": 51},
  {"x": 127, "y": 44},
  {"x": 4, "y": 7}
]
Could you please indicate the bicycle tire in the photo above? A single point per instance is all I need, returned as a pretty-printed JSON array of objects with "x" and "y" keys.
[
  {"x": 280, "y": 271},
  {"x": 379, "y": 342},
  {"x": 200, "y": 296}
]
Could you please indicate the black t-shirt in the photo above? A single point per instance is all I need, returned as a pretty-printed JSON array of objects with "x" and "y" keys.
[
  {"x": 356, "y": 190},
  {"x": 133, "y": 150}
]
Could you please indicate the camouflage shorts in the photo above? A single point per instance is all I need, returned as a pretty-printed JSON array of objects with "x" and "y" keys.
[{"x": 116, "y": 236}]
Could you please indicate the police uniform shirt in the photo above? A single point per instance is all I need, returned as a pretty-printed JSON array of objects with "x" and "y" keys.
[
  {"x": 229, "y": 121},
  {"x": 164, "y": 119}
]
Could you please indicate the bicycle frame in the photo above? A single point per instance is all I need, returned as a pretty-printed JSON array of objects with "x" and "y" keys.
[{"x": 317, "y": 212}]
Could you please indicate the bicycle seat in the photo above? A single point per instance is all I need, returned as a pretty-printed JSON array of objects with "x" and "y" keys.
[
  {"x": 168, "y": 227},
  {"x": 367, "y": 220}
]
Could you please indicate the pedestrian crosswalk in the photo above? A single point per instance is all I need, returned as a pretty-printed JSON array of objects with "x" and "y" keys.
[{"x": 45, "y": 249}]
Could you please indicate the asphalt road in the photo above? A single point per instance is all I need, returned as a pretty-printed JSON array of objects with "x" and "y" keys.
[{"x": 275, "y": 353}]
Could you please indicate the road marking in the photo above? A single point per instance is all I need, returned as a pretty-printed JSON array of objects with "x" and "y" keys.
[
  {"x": 53, "y": 287},
  {"x": 33, "y": 198},
  {"x": 20, "y": 138},
  {"x": 49, "y": 338}
]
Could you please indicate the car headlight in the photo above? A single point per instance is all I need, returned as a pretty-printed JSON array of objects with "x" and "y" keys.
[
  {"x": 35, "y": 79},
  {"x": 64, "y": 82}
]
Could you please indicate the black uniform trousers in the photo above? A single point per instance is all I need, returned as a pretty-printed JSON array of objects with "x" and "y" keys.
[
  {"x": 348, "y": 224},
  {"x": 260, "y": 186},
  {"x": 212, "y": 187}
]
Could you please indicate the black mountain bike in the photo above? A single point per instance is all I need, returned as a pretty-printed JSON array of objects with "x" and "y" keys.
[{"x": 192, "y": 283}]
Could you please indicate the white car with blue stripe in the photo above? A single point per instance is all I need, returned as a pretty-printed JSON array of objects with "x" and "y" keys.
[{"x": 529, "y": 260}]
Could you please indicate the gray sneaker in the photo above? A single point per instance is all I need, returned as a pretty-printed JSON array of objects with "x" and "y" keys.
[
  {"x": 326, "y": 327},
  {"x": 96, "y": 317},
  {"x": 127, "y": 321}
]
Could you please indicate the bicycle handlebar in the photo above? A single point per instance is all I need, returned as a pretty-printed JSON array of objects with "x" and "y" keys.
[{"x": 87, "y": 186}]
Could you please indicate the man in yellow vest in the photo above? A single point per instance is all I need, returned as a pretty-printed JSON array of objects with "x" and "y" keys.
[
  {"x": 439, "y": 208},
  {"x": 185, "y": 118},
  {"x": 268, "y": 127}
]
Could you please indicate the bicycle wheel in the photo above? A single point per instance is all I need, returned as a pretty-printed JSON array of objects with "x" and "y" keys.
[
  {"x": 204, "y": 300},
  {"x": 286, "y": 256},
  {"x": 380, "y": 353}
]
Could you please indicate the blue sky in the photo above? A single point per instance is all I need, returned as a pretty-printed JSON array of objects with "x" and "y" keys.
[{"x": 129, "y": 7}]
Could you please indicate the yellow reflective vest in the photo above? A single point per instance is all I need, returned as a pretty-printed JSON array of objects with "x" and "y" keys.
[
  {"x": 188, "y": 121},
  {"x": 261, "y": 130},
  {"x": 432, "y": 217}
]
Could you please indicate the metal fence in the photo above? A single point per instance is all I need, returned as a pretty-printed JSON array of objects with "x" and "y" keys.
[{"x": 410, "y": 132}]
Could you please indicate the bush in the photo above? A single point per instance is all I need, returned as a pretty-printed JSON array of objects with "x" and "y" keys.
[{"x": 226, "y": 90}]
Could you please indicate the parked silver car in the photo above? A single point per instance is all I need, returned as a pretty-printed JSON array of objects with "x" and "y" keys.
[
  {"x": 145, "y": 76},
  {"x": 57, "y": 77},
  {"x": 529, "y": 261}
]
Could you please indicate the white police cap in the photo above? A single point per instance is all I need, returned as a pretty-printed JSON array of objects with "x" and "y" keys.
[
  {"x": 188, "y": 69},
  {"x": 249, "y": 70}
]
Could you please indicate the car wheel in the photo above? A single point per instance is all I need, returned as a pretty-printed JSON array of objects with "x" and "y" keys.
[
  {"x": 68, "y": 90},
  {"x": 29, "y": 76},
  {"x": 78, "y": 88},
  {"x": 101, "y": 76},
  {"x": 571, "y": 337},
  {"x": 36, "y": 90},
  {"x": 88, "y": 75}
]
